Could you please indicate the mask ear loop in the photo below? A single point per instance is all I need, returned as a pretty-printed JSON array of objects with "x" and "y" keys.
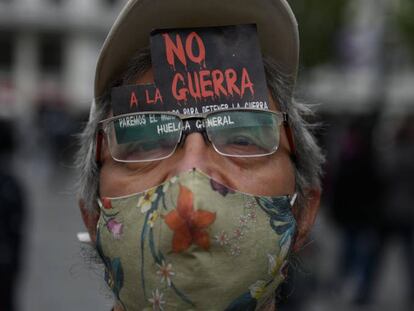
[
  {"x": 101, "y": 208},
  {"x": 98, "y": 200},
  {"x": 293, "y": 199}
]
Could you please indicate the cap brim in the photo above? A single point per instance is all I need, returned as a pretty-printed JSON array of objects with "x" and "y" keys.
[{"x": 276, "y": 24}]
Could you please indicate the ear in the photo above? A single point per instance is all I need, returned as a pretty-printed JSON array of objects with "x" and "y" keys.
[
  {"x": 305, "y": 217},
  {"x": 90, "y": 219}
]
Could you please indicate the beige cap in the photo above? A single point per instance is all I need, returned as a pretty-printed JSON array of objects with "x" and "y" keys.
[{"x": 276, "y": 24}]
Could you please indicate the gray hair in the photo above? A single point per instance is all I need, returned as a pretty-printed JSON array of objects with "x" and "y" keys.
[{"x": 309, "y": 157}]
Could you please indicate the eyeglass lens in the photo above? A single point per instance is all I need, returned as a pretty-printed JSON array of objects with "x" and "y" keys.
[{"x": 148, "y": 137}]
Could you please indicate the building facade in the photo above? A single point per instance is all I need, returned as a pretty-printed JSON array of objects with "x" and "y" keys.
[{"x": 48, "y": 51}]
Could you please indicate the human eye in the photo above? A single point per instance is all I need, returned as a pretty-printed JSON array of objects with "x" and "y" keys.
[
  {"x": 244, "y": 142},
  {"x": 149, "y": 138},
  {"x": 239, "y": 140},
  {"x": 144, "y": 150},
  {"x": 242, "y": 133}
]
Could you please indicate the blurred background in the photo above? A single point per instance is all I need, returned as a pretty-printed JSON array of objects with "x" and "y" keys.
[{"x": 357, "y": 68}]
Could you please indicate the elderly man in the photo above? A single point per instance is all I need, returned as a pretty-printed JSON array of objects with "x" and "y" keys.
[{"x": 199, "y": 177}]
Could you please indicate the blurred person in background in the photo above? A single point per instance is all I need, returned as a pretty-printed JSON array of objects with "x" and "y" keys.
[
  {"x": 375, "y": 164},
  {"x": 400, "y": 194},
  {"x": 57, "y": 126},
  {"x": 396, "y": 147},
  {"x": 356, "y": 194},
  {"x": 173, "y": 217},
  {"x": 11, "y": 221}
]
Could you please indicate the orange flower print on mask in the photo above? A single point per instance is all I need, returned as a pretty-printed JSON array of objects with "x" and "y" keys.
[{"x": 188, "y": 224}]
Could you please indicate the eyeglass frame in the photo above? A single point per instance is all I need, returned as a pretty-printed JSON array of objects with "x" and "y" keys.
[{"x": 103, "y": 123}]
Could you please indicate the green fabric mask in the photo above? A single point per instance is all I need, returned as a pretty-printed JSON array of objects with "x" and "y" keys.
[{"x": 191, "y": 243}]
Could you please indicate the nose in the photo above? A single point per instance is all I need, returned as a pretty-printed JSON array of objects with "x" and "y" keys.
[
  {"x": 193, "y": 152},
  {"x": 196, "y": 152}
]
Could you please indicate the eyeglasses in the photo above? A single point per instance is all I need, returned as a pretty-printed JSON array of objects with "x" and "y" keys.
[{"x": 151, "y": 136}]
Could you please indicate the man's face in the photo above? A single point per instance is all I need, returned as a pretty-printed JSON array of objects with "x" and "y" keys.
[{"x": 268, "y": 175}]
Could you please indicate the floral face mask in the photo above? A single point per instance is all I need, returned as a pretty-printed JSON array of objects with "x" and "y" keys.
[{"x": 194, "y": 244}]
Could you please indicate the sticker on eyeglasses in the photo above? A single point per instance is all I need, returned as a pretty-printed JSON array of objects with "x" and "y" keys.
[
  {"x": 200, "y": 70},
  {"x": 142, "y": 126},
  {"x": 149, "y": 136}
]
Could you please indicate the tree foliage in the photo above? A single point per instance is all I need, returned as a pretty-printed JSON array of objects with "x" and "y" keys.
[
  {"x": 405, "y": 22},
  {"x": 319, "y": 23}
]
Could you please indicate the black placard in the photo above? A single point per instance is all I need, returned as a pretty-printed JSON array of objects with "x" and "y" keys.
[
  {"x": 136, "y": 98},
  {"x": 212, "y": 67},
  {"x": 199, "y": 70}
]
